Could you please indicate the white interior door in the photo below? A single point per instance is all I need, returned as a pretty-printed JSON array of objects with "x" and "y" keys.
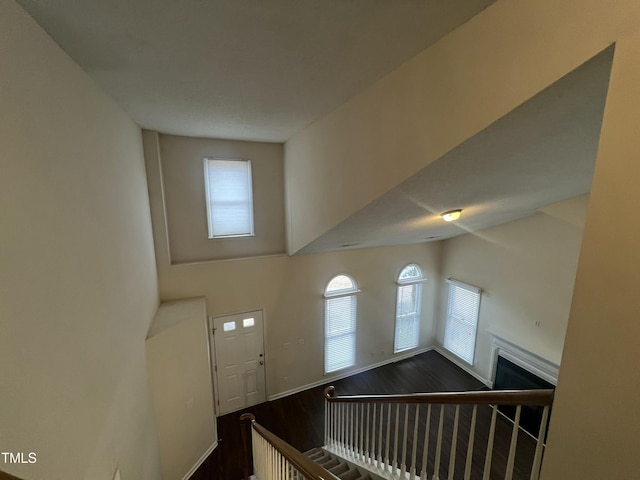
[{"x": 239, "y": 353}]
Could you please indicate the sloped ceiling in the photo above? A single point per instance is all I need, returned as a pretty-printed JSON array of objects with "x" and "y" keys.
[
  {"x": 263, "y": 70},
  {"x": 540, "y": 153},
  {"x": 242, "y": 69}
]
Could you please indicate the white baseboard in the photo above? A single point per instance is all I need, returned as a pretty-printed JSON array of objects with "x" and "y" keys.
[
  {"x": 200, "y": 461},
  {"x": 333, "y": 378},
  {"x": 462, "y": 365}
]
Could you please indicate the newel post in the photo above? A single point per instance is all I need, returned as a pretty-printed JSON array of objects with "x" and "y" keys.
[{"x": 247, "y": 419}]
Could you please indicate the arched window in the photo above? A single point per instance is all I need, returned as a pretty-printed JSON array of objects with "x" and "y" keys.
[
  {"x": 408, "y": 308},
  {"x": 340, "y": 323}
]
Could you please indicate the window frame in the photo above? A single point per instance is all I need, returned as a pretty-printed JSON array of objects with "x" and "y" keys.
[
  {"x": 210, "y": 203},
  {"x": 446, "y": 341},
  {"x": 339, "y": 294},
  {"x": 415, "y": 282}
]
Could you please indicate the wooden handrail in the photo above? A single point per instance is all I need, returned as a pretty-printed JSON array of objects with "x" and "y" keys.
[
  {"x": 303, "y": 464},
  {"x": 6, "y": 476},
  {"x": 496, "y": 397}
]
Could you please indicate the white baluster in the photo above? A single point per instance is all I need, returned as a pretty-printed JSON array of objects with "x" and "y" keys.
[
  {"x": 472, "y": 432},
  {"x": 403, "y": 462},
  {"x": 268, "y": 461},
  {"x": 537, "y": 458},
  {"x": 512, "y": 447},
  {"x": 279, "y": 472},
  {"x": 362, "y": 431},
  {"x": 492, "y": 432},
  {"x": 334, "y": 423},
  {"x": 386, "y": 462},
  {"x": 380, "y": 436},
  {"x": 351, "y": 421},
  {"x": 436, "y": 471},
  {"x": 340, "y": 421},
  {"x": 414, "y": 451},
  {"x": 366, "y": 441},
  {"x": 373, "y": 433},
  {"x": 356, "y": 449},
  {"x": 395, "y": 440},
  {"x": 344, "y": 426},
  {"x": 425, "y": 451},
  {"x": 454, "y": 443},
  {"x": 326, "y": 422}
]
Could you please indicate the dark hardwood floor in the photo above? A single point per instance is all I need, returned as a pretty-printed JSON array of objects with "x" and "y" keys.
[{"x": 299, "y": 418}]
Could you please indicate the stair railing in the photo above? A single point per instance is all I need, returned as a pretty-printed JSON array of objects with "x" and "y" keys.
[
  {"x": 275, "y": 459},
  {"x": 383, "y": 432}
]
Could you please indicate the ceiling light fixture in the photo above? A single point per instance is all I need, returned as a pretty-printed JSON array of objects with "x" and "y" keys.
[{"x": 451, "y": 215}]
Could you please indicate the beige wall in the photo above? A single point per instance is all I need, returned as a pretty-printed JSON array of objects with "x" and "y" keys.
[
  {"x": 443, "y": 96},
  {"x": 180, "y": 375},
  {"x": 78, "y": 283},
  {"x": 290, "y": 291},
  {"x": 181, "y": 159},
  {"x": 526, "y": 270},
  {"x": 472, "y": 77},
  {"x": 595, "y": 422}
]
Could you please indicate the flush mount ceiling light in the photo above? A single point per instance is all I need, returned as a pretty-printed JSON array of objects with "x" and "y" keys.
[{"x": 451, "y": 215}]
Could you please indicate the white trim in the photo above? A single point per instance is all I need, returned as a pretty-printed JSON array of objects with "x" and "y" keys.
[
  {"x": 233, "y": 259},
  {"x": 411, "y": 280},
  {"x": 214, "y": 359},
  {"x": 207, "y": 163},
  {"x": 346, "y": 293},
  {"x": 466, "y": 286},
  {"x": 395, "y": 358},
  {"x": 200, "y": 461},
  {"x": 460, "y": 363},
  {"x": 418, "y": 311},
  {"x": 531, "y": 362}
]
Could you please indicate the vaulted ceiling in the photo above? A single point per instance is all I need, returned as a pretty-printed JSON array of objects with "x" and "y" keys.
[
  {"x": 242, "y": 69},
  {"x": 264, "y": 70}
]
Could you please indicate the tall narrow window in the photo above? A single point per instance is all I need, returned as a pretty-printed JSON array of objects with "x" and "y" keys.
[
  {"x": 461, "y": 323},
  {"x": 408, "y": 308},
  {"x": 229, "y": 197},
  {"x": 340, "y": 323}
]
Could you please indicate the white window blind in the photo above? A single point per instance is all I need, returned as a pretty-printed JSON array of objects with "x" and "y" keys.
[
  {"x": 229, "y": 197},
  {"x": 407, "y": 330},
  {"x": 461, "y": 324},
  {"x": 340, "y": 323}
]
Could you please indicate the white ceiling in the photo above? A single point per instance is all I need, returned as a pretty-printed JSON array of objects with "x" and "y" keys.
[
  {"x": 540, "y": 153},
  {"x": 242, "y": 69},
  {"x": 265, "y": 69}
]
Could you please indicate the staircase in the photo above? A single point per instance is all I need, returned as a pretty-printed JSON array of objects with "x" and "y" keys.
[
  {"x": 408, "y": 437},
  {"x": 336, "y": 465}
]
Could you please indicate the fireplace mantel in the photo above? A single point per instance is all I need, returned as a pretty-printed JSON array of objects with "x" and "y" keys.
[{"x": 535, "y": 364}]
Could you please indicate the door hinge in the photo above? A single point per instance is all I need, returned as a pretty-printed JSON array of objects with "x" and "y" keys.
[{"x": 215, "y": 368}]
